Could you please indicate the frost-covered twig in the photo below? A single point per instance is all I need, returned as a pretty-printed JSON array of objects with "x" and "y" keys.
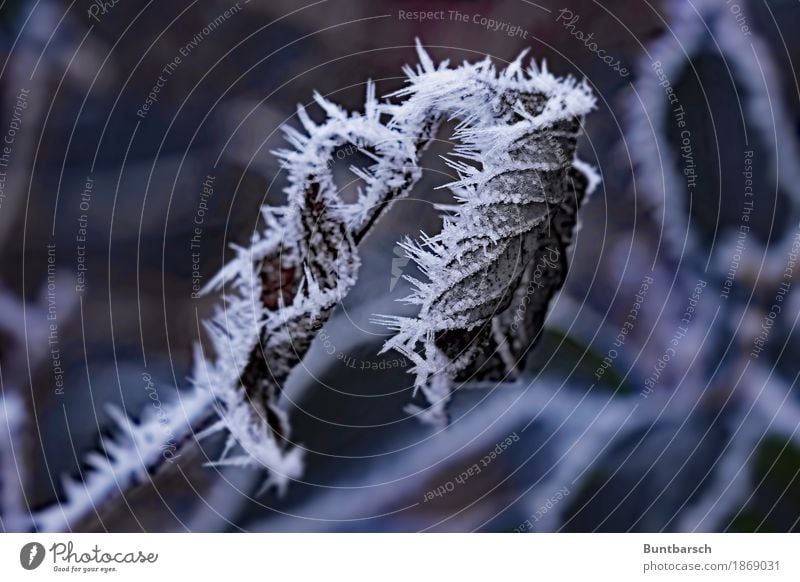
[
  {"x": 127, "y": 459},
  {"x": 520, "y": 125}
]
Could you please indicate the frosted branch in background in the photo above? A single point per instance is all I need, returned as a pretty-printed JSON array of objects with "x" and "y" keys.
[{"x": 14, "y": 515}]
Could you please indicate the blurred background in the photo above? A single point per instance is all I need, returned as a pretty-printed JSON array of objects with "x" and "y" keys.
[{"x": 663, "y": 394}]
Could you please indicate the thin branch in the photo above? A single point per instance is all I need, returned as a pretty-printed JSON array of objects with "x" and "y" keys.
[{"x": 282, "y": 289}]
